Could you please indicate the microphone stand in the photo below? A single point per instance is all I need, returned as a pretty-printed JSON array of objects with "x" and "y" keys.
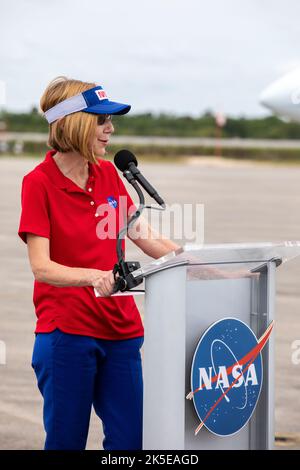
[{"x": 124, "y": 281}]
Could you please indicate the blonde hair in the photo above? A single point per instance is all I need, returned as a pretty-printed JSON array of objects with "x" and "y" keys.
[{"x": 75, "y": 131}]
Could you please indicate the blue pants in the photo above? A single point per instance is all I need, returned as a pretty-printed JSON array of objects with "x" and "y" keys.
[{"x": 75, "y": 372}]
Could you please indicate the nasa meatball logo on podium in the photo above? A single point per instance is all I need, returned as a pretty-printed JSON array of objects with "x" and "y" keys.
[{"x": 226, "y": 376}]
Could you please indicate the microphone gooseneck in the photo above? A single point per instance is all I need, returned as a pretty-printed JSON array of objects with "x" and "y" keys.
[{"x": 127, "y": 163}]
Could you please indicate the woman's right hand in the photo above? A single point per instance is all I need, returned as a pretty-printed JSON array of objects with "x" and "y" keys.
[{"x": 103, "y": 282}]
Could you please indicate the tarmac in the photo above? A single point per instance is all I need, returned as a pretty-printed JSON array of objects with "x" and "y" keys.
[{"x": 243, "y": 202}]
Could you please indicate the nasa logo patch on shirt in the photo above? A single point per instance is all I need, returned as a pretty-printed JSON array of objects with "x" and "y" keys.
[{"x": 112, "y": 202}]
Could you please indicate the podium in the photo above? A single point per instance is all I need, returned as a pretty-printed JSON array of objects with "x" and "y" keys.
[{"x": 186, "y": 292}]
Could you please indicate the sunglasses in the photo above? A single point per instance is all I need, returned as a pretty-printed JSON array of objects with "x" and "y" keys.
[{"x": 103, "y": 118}]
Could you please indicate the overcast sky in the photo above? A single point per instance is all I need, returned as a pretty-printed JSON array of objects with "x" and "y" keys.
[{"x": 175, "y": 56}]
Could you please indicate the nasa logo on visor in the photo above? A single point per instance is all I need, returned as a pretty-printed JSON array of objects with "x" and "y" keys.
[
  {"x": 101, "y": 94},
  {"x": 226, "y": 376}
]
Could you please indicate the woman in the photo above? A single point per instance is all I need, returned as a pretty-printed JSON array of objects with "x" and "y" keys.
[{"x": 87, "y": 348}]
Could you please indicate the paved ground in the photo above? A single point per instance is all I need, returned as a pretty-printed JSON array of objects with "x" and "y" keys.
[{"x": 243, "y": 202}]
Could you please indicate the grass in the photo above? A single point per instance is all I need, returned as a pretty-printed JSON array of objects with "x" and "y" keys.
[{"x": 177, "y": 154}]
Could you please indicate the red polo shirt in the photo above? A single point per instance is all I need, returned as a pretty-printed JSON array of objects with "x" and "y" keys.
[{"x": 74, "y": 220}]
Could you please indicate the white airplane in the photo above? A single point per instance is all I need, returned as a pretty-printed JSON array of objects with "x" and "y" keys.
[{"x": 282, "y": 97}]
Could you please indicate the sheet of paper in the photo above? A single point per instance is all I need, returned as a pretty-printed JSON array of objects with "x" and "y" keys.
[{"x": 126, "y": 293}]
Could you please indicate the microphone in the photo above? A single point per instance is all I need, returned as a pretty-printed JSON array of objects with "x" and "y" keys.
[{"x": 125, "y": 161}]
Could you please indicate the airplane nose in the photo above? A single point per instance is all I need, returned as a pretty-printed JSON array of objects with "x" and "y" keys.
[
  {"x": 272, "y": 96},
  {"x": 282, "y": 97},
  {"x": 265, "y": 98}
]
